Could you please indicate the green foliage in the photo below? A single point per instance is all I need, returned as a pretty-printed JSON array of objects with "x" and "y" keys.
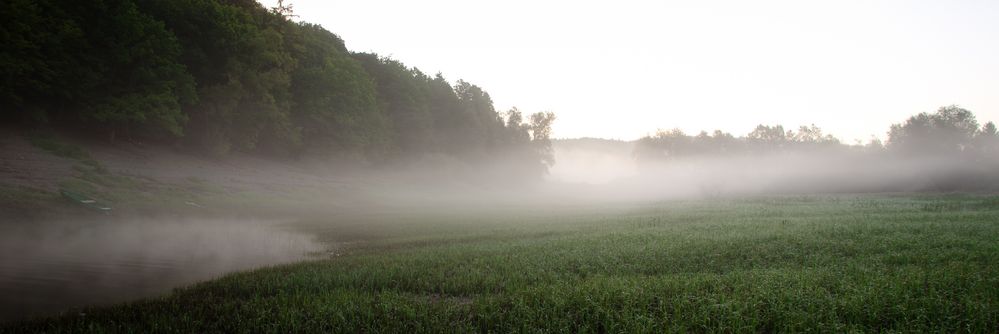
[
  {"x": 429, "y": 115},
  {"x": 403, "y": 94},
  {"x": 334, "y": 99},
  {"x": 230, "y": 76},
  {"x": 238, "y": 54},
  {"x": 40, "y": 64},
  {"x": 104, "y": 63},
  {"x": 51, "y": 144},
  {"x": 141, "y": 80}
]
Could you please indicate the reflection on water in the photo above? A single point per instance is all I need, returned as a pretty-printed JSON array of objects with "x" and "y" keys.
[{"x": 53, "y": 267}]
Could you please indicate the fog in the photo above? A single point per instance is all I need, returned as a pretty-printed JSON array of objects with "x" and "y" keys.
[
  {"x": 50, "y": 267},
  {"x": 592, "y": 161},
  {"x": 597, "y": 174},
  {"x": 64, "y": 263}
]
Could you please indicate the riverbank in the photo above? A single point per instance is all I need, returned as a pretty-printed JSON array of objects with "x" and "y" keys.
[{"x": 140, "y": 180}]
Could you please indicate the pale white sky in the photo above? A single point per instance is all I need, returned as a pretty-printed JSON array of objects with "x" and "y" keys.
[{"x": 622, "y": 69}]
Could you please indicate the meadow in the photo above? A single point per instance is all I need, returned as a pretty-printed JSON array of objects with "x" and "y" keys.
[{"x": 837, "y": 263}]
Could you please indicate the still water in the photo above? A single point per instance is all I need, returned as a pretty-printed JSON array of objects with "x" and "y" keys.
[{"x": 47, "y": 268}]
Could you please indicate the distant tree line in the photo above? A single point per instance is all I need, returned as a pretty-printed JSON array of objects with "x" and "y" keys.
[
  {"x": 944, "y": 150},
  {"x": 230, "y": 75},
  {"x": 674, "y": 144},
  {"x": 951, "y": 132}
]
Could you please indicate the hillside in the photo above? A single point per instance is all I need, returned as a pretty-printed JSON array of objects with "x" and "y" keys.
[{"x": 231, "y": 77}]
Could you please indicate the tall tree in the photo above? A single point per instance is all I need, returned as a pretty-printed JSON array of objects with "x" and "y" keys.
[
  {"x": 335, "y": 99},
  {"x": 949, "y": 131},
  {"x": 541, "y": 133},
  {"x": 104, "y": 63},
  {"x": 403, "y": 94},
  {"x": 40, "y": 70},
  {"x": 238, "y": 54}
]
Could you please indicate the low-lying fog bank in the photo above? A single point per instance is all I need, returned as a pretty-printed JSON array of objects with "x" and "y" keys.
[
  {"x": 52, "y": 267},
  {"x": 601, "y": 170}
]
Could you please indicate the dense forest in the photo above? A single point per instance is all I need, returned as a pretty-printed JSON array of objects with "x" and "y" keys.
[{"x": 222, "y": 76}]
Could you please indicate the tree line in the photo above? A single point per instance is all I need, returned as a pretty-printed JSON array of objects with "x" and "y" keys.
[
  {"x": 223, "y": 76},
  {"x": 951, "y": 132},
  {"x": 946, "y": 150}
]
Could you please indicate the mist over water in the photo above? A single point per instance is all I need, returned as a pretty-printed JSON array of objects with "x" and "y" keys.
[{"x": 50, "y": 267}]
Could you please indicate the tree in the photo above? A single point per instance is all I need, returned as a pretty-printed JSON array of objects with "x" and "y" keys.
[
  {"x": 518, "y": 133},
  {"x": 141, "y": 82},
  {"x": 403, "y": 95},
  {"x": 675, "y": 144},
  {"x": 40, "y": 70},
  {"x": 238, "y": 53},
  {"x": 448, "y": 120},
  {"x": 334, "y": 99},
  {"x": 987, "y": 142},
  {"x": 724, "y": 143},
  {"x": 284, "y": 10},
  {"x": 232, "y": 75},
  {"x": 811, "y": 135},
  {"x": 949, "y": 131},
  {"x": 768, "y": 138},
  {"x": 104, "y": 63},
  {"x": 541, "y": 130}
]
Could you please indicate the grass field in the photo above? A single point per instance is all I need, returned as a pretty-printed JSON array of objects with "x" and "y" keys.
[{"x": 865, "y": 263}]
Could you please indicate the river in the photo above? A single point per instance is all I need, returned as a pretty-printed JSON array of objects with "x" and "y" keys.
[{"x": 48, "y": 268}]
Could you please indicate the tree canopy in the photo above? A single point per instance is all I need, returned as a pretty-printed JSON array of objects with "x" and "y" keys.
[{"x": 219, "y": 76}]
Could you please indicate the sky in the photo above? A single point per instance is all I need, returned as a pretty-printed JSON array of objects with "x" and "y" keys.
[{"x": 622, "y": 69}]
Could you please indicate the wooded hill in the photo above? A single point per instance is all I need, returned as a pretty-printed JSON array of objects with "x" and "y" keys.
[{"x": 219, "y": 76}]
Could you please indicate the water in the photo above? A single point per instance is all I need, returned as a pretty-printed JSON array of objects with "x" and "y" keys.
[{"x": 62, "y": 266}]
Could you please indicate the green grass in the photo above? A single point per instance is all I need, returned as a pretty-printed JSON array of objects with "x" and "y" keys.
[
  {"x": 777, "y": 264},
  {"x": 136, "y": 192},
  {"x": 20, "y": 198},
  {"x": 50, "y": 143}
]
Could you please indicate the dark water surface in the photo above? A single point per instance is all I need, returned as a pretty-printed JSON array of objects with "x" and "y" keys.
[{"x": 48, "y": 268}]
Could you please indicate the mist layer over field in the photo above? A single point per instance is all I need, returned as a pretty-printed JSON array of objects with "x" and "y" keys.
[
  {"x": 942, "y": 151},
  {"x": 617, "y": 176}
]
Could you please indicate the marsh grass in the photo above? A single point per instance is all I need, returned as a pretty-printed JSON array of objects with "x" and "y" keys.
[{"x": 777, "y": 264}]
